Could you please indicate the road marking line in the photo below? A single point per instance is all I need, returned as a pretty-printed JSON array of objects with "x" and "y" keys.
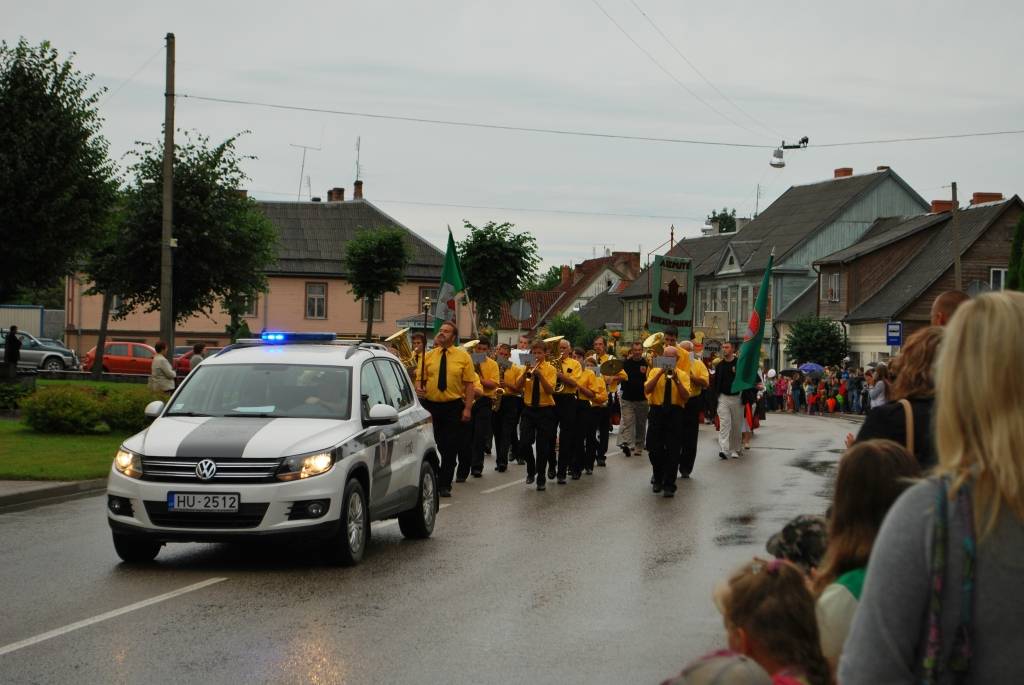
[
  {"x": 518, "y": 481},
  {"x": 392, "y": 522},
  {"x": 14, "y": 646}
]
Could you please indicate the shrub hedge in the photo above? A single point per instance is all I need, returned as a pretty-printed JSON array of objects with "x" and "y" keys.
[{"x": 80, "y": 410}]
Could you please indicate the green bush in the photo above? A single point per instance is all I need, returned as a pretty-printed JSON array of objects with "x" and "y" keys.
[
  {"x": 11, "y": 395},
  {"x": 64, "y": 410},
  {"x": 123, "y": 409}
]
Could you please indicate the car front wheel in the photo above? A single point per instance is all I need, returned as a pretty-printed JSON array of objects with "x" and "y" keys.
[
  {"x": 135, "y": 549},
  {"x": 53, "y": 364},
  {"x": 347, "y": 547},
  {"x": 418, "y": 522}
]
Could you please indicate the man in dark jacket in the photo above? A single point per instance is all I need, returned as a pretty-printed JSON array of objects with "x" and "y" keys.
[{"x": 12, "y": 352}]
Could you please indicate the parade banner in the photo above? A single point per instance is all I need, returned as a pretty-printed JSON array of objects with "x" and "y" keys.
[
  {"x": 452, "y": 283},
  {"x": 671, "y": 288}
]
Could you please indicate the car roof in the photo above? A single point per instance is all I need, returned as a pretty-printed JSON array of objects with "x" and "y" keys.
[{"x": 312, "y": 354}]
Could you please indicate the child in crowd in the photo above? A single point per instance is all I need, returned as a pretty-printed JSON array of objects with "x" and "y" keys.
[
  {"x": 769, "y": 616},
  {"x": 872, "y": 474}
]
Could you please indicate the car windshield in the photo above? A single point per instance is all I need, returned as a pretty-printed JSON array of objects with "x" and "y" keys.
[{"x": 265, "y": 390}]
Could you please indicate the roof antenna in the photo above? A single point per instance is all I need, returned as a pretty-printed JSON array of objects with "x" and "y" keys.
[
  {"x": 302, "y": 170},
  {"x": 359, "y": 168}
]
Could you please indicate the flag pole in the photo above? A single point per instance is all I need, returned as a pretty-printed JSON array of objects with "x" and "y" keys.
[{"x": 423, "y": 354}]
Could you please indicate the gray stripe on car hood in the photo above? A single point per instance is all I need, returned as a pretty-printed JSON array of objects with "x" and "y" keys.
[{"x": 221, "y": 437}]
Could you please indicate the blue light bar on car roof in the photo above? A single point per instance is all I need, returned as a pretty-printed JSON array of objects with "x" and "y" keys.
[{"x": 295, "y": 336}]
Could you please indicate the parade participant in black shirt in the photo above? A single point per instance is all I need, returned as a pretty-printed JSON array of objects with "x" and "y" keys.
[
  {"x": 730, "y": 409},
  {"x": 633, "y": 427}
]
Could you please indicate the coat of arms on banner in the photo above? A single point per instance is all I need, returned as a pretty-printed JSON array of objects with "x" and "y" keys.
[{"x": 672, "y": 293}]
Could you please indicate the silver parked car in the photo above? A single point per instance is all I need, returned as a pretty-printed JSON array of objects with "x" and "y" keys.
[{"x": 36, "y": 354}]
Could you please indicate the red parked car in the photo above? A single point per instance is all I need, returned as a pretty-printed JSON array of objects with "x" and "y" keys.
[
  {"x": 183, "y": 363},
  {"x": 123, "y": 357}
]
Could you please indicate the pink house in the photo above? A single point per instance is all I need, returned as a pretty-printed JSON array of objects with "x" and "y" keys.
[{"x": 307, "y": 287}]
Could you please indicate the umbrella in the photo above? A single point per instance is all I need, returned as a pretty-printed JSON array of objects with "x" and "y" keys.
[{"x": 811, "y": 367}]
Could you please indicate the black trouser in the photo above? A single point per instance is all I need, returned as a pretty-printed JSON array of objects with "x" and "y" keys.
[
  {"x": 537, "y": 426},
  {"x": 582, "y": 437},
  {"x": 666, "y": 441},
  {"x": 565, "y": 409},
  {"x": 691, "y": 428},
  {"x": 508, "y": 420},
  {"x": 652, "y": 426},
  {"x": 597, "y": 441},
  {"x": 449, "y": 434},
  {"x": 481, "y": 432}
]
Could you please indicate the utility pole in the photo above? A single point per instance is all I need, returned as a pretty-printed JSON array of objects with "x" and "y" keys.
[
  {"x": 167, "y": 234},
  {"x": 957, "y": 278}
]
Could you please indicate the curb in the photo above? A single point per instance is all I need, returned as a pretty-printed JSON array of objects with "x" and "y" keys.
[{"x": 82, "y": 486}]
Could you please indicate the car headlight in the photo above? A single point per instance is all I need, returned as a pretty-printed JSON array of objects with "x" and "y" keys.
[
  {"x": 128, "y": 463},
  {"x": 294, "y": 468}
]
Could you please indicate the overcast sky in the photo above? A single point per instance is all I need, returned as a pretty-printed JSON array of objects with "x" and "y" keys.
[{"x": 831, "y": 71}]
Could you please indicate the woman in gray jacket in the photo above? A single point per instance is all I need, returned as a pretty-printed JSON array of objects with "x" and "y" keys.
[{"x": 161, "y": 374}]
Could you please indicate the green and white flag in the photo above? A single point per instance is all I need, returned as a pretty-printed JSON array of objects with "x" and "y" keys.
[
  {"x": 750, "y": 351},
  {"x": 452, "y": 283}
]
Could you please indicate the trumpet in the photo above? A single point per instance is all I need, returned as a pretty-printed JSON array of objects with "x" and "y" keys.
[{"x": 496, "y": 400}]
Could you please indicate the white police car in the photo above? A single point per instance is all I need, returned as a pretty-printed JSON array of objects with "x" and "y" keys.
[{"x": 293, "y": 435}]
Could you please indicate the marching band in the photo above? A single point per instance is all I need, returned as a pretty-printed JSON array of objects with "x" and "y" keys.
[{"x": 550, "y": 407}]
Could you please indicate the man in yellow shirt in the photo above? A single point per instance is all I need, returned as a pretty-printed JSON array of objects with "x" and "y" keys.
[
  {"x": 603, "y": 418},
  {"x": 667, "y": 394},
  {"x": 565, "y": 409},
  {"x": 446, "y": 391},
  {"x": 489, "y": 379},
  {"x": 537, "y": 385},
  {"x": 699, "y": 381},
  {"x": 594, "y": 407}
]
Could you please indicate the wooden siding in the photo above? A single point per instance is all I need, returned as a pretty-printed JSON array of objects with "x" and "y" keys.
[{"x": 872, "y": 271}]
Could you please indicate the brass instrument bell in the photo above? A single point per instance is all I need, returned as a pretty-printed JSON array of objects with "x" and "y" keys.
[{"x": 400, "y": 342}]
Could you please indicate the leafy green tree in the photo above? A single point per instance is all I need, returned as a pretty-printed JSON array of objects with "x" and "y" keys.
[
  {"x": 375, "y": 263},
  {"x": 1015, "y": 277},
  {"x": 236, "y": 305},
  {"x": 103, "y": 267},
  {"x": 822, "y": 341},
  {"x": 573, "y": 328},
  {"x": 549, "y": 280},
  {"x": 48, "y": 296},
  {"x": 497, "y": 263},
  {"x": 224, "y": 242},
  {"x": 726, "y": 220},
  {"x": 56, "y": 181}
]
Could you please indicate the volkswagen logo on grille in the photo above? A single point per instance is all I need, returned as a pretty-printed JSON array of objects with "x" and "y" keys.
[{"x": 206, "y": 469}]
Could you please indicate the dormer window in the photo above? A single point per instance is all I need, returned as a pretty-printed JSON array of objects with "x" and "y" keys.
[{"x": 732, "y": 261}]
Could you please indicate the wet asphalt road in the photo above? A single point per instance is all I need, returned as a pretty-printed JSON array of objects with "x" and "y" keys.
[{"x": 597, "y": 581}]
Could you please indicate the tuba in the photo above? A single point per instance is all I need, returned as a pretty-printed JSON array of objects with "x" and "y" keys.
[
  {"x": 654, "y": 347},
  {"x": 556, "y": 359},
  {"x": 400, "y": 342}
]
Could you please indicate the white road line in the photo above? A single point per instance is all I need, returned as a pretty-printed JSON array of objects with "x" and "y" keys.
[
  {"x": 518, "y": 481},
  {"x": 14, "y": 646}
]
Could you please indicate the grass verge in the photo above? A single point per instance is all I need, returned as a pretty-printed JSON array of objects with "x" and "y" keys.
[
  {"x": 95, "y": 385},
  {"x": 28, "y": 455}
]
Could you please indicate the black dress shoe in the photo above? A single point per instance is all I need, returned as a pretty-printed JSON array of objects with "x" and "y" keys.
[
  {"x": 541, "y": 487},
  {"x": 656, "y": 488},
  {"x": 444, "y": 492},
  {"x": 590, "y": 472},
  {"x": 576, "y": 475},
  {"x": 686, "y": 476},
  {"x": 551, "y": 474},
  {"x": 723, "y": 455},
  {"x": 561, "y": 480},
  {"x": 478, "y": 474},
  {"x": 460, "y": 479},
  {"x": 501, "y": 468},
  {"x": 602, "y": 463},
  {"x": 669, "y": 493},
  {"x": 529, "y": 479},
  {"x": 625, "y": 450}
]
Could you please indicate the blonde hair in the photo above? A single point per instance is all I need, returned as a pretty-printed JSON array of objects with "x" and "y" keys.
[{"x": 980, "y": 406}]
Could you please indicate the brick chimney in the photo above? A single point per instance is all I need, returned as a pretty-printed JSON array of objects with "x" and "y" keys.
[
  {"x": 336, "y": 195},
  {"x": 981, "y": 198},
  {"x": 843, "y": 172},
  {"x": 881, "y": 168},
  {"x": 242, "y": 193},
  {"x": 939, "y": 206},
  {"x": 357, "y": 190},
  {"x": 566, "y": 275}
]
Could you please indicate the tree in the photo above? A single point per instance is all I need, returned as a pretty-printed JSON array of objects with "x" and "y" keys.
[
  {"x": 375, "y": 261},
  {"x": 236, "y": 305},
  {"x": 816, "y": 340},
  {"x": 726, "y": 220},
  {"x": 497, "y": 263},
  {"x": 1015, "y": 276},
  {"x": 224, "y": 242},
  {"x": 549, "y": 280},
  {"x": 56, "y": 180},
  {"x": 102, "y": 266},
  {"x": 573, "y": 328}
]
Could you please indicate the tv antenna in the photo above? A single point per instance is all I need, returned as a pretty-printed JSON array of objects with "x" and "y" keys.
[
  {"x": 359, "y": 168},
  {"x": 302, "y": 170}
]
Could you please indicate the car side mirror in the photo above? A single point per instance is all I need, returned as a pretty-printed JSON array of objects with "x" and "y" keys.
[
  {"x": 154, "y": 409},
  {"x": 381, "y": 415}
]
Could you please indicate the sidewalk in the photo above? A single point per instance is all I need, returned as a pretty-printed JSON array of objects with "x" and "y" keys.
[{"x": 22, "y": 491}]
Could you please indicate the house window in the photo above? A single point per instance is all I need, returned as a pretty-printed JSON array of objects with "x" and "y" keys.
[
  {"x": 249, "y": 306},
  {"x": 116, "y": 303},
  {"x": 997, "y": 278},
  {"x": 428, "y": 292},
  {"x": 316, "y": 300},
  {"x": 378, "y": 309},
  {"x": 744, "y": 301},
  {"x": 830, "y": 288}
]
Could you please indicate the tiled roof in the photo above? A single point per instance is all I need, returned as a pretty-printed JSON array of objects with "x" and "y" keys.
[
  {"x": 804, "y": 305},
  {"x": 541, "y": 303},
  {"x": 602, "y": 309},
  {"x": 312, "y": 237},
  {"x": 704, "y": 251},
  {"x": 934, "y": 259},
  {"x": 625, "y": 264},
  {"x": 800, "y": 211},
  {"x": 884, "y": 231}
]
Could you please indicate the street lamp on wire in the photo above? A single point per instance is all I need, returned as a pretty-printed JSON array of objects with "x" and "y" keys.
[{"x": 777, "y": 161}]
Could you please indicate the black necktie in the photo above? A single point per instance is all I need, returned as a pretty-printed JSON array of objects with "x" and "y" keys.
[
  {"x": 535, "y": 394},
  {"x": 442, "y": 372},
  {"x": 668, "y": 387}
]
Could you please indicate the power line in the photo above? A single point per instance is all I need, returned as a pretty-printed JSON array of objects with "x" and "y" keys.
[
  {"x": 669, "y": 73},
  {"x": 470, "y": 124},
  {"x": 510, "y": 209},
  {"x": 698, "y": 72},
  {"x": 585, "y": 134},
  {"x": 131, "y": 78}
]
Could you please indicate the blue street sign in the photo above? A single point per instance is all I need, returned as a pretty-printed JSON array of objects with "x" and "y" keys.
[{"x": 894, "y": 333}]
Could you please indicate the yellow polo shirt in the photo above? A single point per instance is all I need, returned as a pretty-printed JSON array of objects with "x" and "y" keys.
[
  {"x": 489, "y": 371},
  {"x": 572, "y": 369},
  {"x": 511, "y": 377},
  {"x": 613, "y": 383},
  {"x": 546, "y": 400},
  {"x": 594, "y": 383},
  {"x": 657, "y": 397},
  {"x": 460, "y": 371},
  {"x": 697, "y": 371}
]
